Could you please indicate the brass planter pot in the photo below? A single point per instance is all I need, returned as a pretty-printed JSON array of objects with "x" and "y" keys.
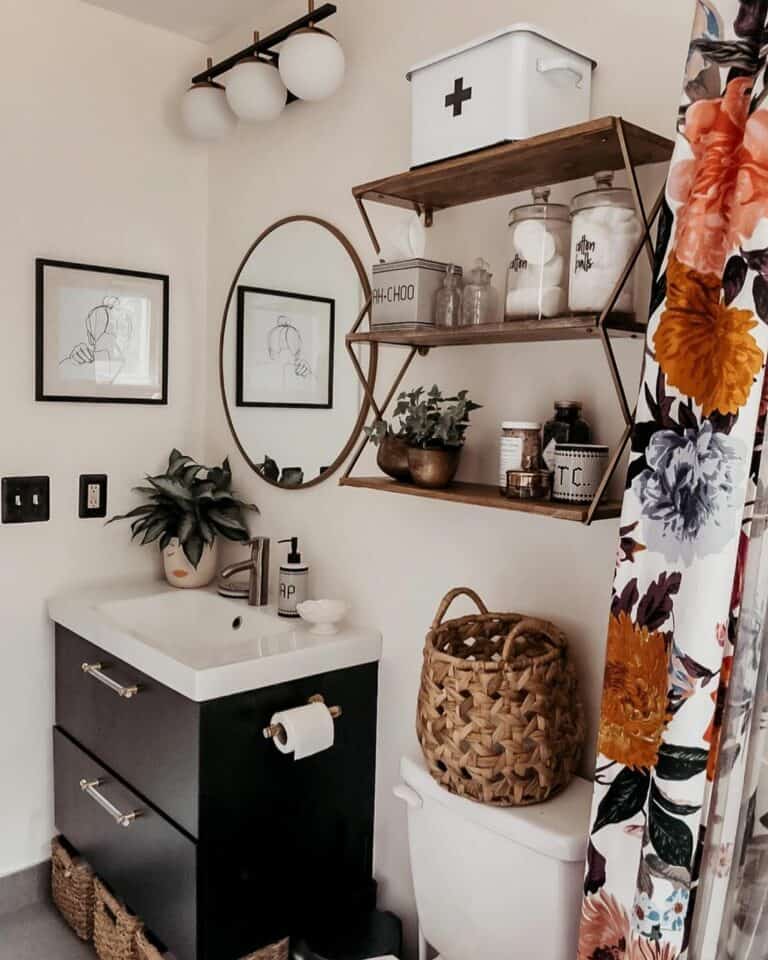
[
  {"x": 392, "y": 458},
  {"x": 434, "y": 468}
]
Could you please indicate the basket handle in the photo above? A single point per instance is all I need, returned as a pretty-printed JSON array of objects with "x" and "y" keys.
[
  {"x": 450, "y": 597},
  {"x": 532, "y": 625}
]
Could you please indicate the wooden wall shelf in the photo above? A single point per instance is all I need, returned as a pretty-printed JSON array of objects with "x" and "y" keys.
[
  {"x": 516, "y": 331},
  {"x": 485, "y": 495},
  {"x": 572, "y": 153},
  {"x": 568, "y": 154}
]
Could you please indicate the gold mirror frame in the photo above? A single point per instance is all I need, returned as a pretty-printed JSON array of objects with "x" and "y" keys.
[{"x": 372, "y": 362}]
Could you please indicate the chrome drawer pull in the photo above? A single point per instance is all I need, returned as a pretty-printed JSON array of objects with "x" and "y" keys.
[
  {"x": 124, "y": 819},
  {"x": 96, "y": 670}
]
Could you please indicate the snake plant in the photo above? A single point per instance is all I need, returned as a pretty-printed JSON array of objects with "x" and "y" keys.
[{"x": 192, "y": 503}]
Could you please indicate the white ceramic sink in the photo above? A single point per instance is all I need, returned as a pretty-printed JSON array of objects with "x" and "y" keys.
[{"x": 202, "y": 645}]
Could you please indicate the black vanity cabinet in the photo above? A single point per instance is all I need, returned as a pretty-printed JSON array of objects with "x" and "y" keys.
[{"x": 217, "y": 840}]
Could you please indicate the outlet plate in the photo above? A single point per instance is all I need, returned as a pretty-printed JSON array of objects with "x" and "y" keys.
[
  {"x": 92, "y": 499},
  {"x": 26, "y": 499}
]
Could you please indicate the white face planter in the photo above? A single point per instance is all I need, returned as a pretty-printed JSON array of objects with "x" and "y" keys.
[{"x": 179, "y": 572}]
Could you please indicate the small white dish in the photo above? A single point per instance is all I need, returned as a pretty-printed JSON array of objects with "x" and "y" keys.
[{"x": 324, "y": 615}]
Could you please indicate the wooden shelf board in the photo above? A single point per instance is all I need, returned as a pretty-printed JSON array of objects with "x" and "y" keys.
[
  {"x": 514, "y": 331},
  {"x": 485, "y": 495},
  {"x": 557, "y": 157}
]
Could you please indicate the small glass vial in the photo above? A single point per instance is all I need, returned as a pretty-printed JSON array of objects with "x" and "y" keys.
[
  {"x": 539, "y": 247},
  {"x": 519, "y": 448},
  {"x": 448, "y": 298},
  {"x": 567, "y": 426},
  {"x": 604, "y": 231},
  {"x": 479, "y": 303}
]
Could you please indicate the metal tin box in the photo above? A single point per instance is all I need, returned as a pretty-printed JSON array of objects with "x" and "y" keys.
[{"x": 403, "y": 294}]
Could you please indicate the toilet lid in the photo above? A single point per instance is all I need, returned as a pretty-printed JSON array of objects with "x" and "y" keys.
[{"x": 556, "y": 828}]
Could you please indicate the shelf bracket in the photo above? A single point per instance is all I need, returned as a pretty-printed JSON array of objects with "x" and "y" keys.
[{"x": 379, "y": 412}]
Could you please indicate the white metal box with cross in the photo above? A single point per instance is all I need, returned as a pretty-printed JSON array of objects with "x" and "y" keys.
[{"x": 511, "y": 85}]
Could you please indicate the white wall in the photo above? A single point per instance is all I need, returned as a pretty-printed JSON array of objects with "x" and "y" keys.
[
  {"x": 394, "y": 557},
  {"x": 93, "y": 170}
]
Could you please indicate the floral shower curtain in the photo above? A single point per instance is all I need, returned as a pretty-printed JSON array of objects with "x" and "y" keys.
[{"x": 680, "y": 744}]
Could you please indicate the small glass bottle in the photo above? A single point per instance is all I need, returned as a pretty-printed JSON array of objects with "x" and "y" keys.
[
  {"x": 567, "y": 426},
  {"x": 479, "y": 303},
  {"x": 448, "y": 298}
]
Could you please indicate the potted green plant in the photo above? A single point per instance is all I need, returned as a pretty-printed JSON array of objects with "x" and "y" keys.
[
  {"x": 430, "y": 433},
  {"x": 392, "y": 454},
  {"x": 189, "y": 507}
]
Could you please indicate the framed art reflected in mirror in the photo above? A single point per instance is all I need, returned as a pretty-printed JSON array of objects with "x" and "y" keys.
[
  {"x": 290, "y": 392},
  {"x": 285, "y": 354}
]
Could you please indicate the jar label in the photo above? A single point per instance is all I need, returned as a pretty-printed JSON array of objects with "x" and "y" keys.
[
  {"x": 510, "y": 458},
  {"x": 584, "y": 250},
  {"x": 549, "y": 455}
]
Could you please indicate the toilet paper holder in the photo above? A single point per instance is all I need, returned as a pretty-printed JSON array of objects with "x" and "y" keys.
[{"x": 277, "y": 729}]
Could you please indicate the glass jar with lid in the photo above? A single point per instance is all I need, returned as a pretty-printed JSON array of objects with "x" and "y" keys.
[
  {"x": 604, "y": 231},
  {"x": 479, "y": 302},
  {"x": 539, "y": 246},
  {"x": 448, "y": 298},
  {"x": 567, "y": 426}
]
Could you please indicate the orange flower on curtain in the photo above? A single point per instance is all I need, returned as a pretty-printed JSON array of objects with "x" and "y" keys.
[
  {"x": 706, "y": 349},
  {"x": 635, "y": 708},
  {"x": 723, "y": 187}
]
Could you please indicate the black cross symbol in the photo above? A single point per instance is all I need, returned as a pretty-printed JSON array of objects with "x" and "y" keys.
[{"x": 459, "y": 95}]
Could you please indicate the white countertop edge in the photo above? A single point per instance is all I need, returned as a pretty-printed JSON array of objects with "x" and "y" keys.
[{"x": 351, "y": 647}]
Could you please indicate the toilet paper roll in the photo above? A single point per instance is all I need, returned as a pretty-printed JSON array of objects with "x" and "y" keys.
[{"x": 308, "y": 730}]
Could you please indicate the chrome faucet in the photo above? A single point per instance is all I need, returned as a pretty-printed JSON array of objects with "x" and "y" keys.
[{"x": 258, "y": 567}]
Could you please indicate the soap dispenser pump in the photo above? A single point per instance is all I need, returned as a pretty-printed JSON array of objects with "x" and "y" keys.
[{"x": 294, "y": 580}]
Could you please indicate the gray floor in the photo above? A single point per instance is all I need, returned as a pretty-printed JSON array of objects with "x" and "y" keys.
[{"x": 38, "y": 933}]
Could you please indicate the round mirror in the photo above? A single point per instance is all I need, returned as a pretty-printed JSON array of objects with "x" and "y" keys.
[{"x": 291, "y": 395}]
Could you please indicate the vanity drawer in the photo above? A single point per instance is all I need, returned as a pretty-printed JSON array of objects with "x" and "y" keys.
[
  {"x": 149, "y": 739},
  {"x": 150, "y": 863}
]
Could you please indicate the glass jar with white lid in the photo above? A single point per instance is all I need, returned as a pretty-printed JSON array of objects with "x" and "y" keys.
[
  {"x": 605, "y": 229},
  {"x": 539, "y": 244}
]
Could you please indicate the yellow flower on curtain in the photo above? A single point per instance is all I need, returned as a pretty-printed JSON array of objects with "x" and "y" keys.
[
  {"x": 705, "y": 348},
  {"x": 635, "y": 708}
]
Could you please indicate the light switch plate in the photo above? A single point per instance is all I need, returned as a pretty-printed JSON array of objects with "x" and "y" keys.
[
  {"x": 26, "y": 499},
  {"x": 92, "y": 500}
]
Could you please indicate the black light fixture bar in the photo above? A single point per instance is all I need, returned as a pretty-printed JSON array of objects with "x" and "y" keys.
[{"x": 264, "y": 45}]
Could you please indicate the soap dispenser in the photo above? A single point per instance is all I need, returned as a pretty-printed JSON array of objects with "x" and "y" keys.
[{"x": 294, "y": 580}]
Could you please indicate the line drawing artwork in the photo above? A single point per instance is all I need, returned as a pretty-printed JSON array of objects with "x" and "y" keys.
[
  {"x": 285, "y": 346},
  {"x": 108, "y": 337}
]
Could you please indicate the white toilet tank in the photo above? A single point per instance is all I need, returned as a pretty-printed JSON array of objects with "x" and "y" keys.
[{"x": 496, "y": 883}]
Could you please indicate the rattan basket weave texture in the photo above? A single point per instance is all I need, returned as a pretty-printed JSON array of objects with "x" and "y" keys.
[
  {"x": 146, "y": 950},
  {"x": 72, "y": 889},
  {"x": 499, "y": 716},
  {"x": 114, "y": 927}
]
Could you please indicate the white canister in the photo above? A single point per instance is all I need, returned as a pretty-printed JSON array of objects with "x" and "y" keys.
[
  {"x": 604, "y": 232},
  {"x": 513, "y": 84},
  {"x": 579, "y": 468},
  {"x": 519, "y": 448}
]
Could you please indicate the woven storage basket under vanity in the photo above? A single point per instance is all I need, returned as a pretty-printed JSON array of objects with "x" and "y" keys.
[
  {"x": 146, "y": 950},
  {"x": 72, "y": 888},
  {"x": 114, "y": 927},
  {"x": 499, "y": 717}
]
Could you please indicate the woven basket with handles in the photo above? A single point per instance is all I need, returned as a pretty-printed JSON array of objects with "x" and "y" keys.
[
  {"x": 146, "y": 950},
  {"x": 72, "y": 888},
  {"x": 499, "y": 716},
  {"x": 114, "y": 927}
]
